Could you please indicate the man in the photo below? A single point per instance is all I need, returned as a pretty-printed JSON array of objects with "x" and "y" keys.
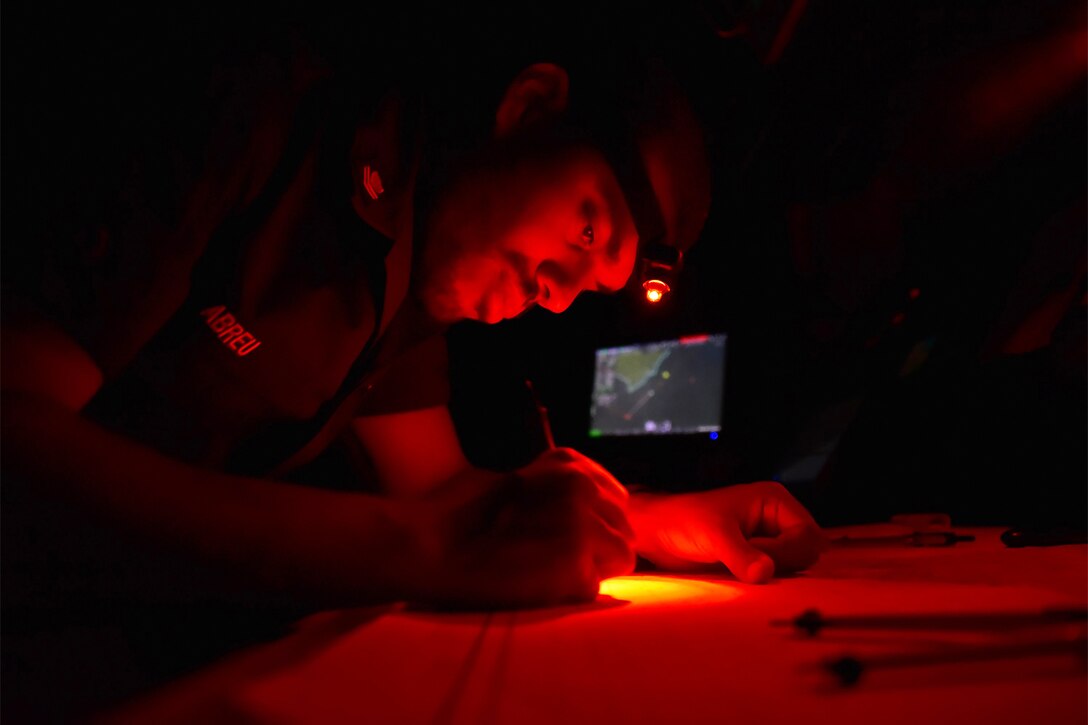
[{"x": 284, "y": 288}]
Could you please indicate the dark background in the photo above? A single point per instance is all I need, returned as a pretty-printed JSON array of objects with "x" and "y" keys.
[{"x": 890, "y": 179}]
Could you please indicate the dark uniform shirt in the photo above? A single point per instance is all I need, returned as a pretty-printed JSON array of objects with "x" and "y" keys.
[{"x": 243, "y": 313}]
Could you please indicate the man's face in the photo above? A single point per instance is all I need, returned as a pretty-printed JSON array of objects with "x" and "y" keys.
[{"x": 524, "y": 227}]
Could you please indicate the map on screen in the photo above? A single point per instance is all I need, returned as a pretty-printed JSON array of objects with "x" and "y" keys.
[{"x": 659, "y": 388}]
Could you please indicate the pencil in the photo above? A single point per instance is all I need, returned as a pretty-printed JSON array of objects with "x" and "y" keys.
[{"x": 542, "y": 412}]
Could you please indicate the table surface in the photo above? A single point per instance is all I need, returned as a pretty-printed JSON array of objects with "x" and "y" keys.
[{"x": 658, "y": 648}]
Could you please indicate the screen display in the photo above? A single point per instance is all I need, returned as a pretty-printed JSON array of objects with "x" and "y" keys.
[{"x": 659, "y": 388}]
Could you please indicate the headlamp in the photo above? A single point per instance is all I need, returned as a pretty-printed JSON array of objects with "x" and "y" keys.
[
  {"x": 658, "y": 267},
  {"x": 658, "y": 264}
]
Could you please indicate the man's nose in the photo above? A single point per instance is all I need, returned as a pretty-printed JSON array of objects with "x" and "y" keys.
[{"x": 558, "y": 287}]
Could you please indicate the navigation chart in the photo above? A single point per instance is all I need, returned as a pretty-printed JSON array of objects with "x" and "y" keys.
[{"x": 674, "y": 386}]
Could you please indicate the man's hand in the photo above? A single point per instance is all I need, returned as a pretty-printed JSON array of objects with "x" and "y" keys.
[
  {"x": 754, "y": 529},
  {"x": 546, "y": 534}
]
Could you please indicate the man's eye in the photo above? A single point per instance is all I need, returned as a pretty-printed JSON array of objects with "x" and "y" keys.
[{"x": 587, "y": 235}]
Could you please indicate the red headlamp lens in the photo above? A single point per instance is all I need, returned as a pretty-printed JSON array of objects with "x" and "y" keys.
[{"x": 655, "y": 290}]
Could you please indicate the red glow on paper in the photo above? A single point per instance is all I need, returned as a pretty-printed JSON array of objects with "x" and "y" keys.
[
  {"x": 915, "y": 293},
  {"x": 693, "y": 339},
  {"x": 668, "y": 590},
  {"x": 655, "y": 290}
]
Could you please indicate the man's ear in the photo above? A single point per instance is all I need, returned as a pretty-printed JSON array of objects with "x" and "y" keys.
[{"x": 538, "y": 93}]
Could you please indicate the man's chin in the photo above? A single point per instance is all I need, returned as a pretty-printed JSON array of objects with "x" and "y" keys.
[
  {"x": 447, "y": 309},
  {"x": 494, "y": 309},
  {"x": 488, "y": 314}
]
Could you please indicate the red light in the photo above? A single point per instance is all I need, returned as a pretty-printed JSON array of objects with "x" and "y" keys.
[
  {"x": 670, "y": 590},
  {"x": 655, "y": 290}
]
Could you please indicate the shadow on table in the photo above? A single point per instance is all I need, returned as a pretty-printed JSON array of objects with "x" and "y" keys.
[{"x": 524, "y": 616}]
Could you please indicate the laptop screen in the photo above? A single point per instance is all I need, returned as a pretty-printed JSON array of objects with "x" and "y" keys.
[{"x": 659, "y": 388}]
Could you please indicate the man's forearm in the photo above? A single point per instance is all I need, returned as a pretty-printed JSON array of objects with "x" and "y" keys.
[{"x": 318, "y": 546}]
